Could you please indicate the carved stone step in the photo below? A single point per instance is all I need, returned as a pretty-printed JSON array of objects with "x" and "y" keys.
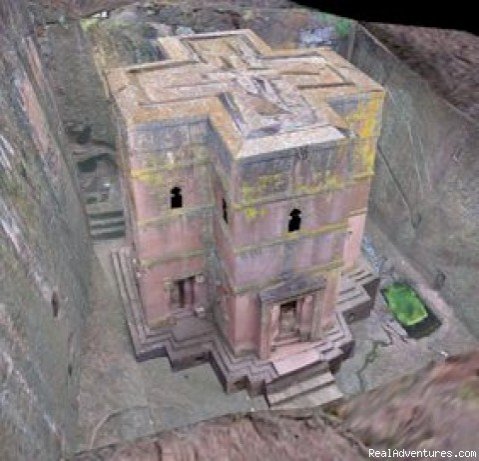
[
  {"x": 321, "y": 397},
  {"x": 300, "y": 388},
  {"x": 112, "y": 232},
  {"x": 107, "y": 222},
  {"x": 95, "y": 215}
]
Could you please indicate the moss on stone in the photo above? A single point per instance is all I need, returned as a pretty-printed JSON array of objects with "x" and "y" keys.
[
  {"x": 342, "y": 26},
  {"x": 87, "y": 23},
  {"x": 405, "y": 305}
]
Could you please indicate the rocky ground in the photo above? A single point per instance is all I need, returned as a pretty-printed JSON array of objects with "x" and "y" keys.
[
  {"x": 383, "y": 350},
  {"x": 120, "y": 398},
  {"x": 129, "y": 34},
  {"x": 436, "y": 409}
]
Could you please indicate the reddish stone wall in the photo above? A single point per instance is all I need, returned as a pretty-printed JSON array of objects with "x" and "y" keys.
[{"x": 257, "y": 145}]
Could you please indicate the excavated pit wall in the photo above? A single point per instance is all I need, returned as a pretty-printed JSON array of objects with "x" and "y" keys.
[
  {"x": 425, "y": 194},
  {"x": 424, "y": 197},
  {"x": 44, "y": 254}
]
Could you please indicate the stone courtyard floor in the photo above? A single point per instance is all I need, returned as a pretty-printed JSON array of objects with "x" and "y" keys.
[
  {"x": 383, "y": 351},
  {"x": 120, "y": 398}
]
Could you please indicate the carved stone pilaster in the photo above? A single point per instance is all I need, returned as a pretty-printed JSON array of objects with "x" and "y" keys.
[
  {"x": 316, "y": 331},
  {"x": 305, "y": 307},
  {"x": 168, "y": 287},
  {"x": 200, "y": 290},
  {"x": 265, "y": 340}
]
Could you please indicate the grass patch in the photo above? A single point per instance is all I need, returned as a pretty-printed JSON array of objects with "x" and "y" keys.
[
  {"x": 410, "y": 311},
  {"x": 405, "y": 305}
]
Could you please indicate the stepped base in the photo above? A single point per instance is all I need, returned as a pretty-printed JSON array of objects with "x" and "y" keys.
[
  {"x": 107, "y": 224},
  {"x": 322, "y": 397},
  {"x": 296, "y": 374},
  {"x": 299, "y": 388}
]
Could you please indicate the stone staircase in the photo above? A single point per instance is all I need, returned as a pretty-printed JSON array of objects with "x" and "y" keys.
[
  {"x": 246, "y": 371},
  {"x": 354, "y": 301},
  {"x": 316, "y": 390},
  {"x": 362, "y": 275},
  {"x": 106, "y": 225}
]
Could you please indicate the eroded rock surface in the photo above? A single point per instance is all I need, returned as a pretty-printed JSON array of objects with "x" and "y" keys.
[
  {"x": 44, "y": 254},
  {"x": 448, "y": 59},
  {"x": 264, "y": 436},
  {"x": 425, "y": 195},
  {"x": 436, "y": 409}
]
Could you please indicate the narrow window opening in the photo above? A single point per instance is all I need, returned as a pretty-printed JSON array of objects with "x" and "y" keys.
[
  {"x": 55, "y": 304},
  {"x": 294, "y": 221},
  {"x": 181, "y": 293},
  {"x": 176, "y": 198},
  {"x": 225, "y": 211}
]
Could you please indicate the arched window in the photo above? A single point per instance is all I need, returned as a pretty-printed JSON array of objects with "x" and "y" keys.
[
  {"x": 294, "y": 220},
  {"x": 176, "y": 198},
  {"x": 225, "y": 211}
]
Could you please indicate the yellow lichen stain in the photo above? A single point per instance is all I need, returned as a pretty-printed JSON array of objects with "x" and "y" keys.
[
  {"x": 369, "y": 155},
  {"x": 252, "y": 212},
  {"x": 149, "y": 263},
  {"x": 332, "y": 181},
  {"x": 152, "y": 162},
  {"x": 159, "y": 220},
  {"x": 162, "y": 322},
  {"x": 148, "y": 176},
  {"x": 321, "y": 181},
  {"x": 265, "y": 185},
  {"x": 248, "y": 192},
  {"x": 326, "y": 229},
  {"x": 145, "y": 263},
  {"x": 364, "y": 156},
  {"x": 365, "y": 119}
]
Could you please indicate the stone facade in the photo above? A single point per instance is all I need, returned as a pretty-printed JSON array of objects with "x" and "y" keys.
[{"x": 247, "y": 174}]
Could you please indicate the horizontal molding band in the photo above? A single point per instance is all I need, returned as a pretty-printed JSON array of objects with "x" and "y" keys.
[
  {"x": 358, "y": 212},
  {"x": 316, "y": 270},
  {"x": 138, "y": 173},
  {"x": 294, "y": 236},
  {"x": 149, "y": 263},
  {"x": 238, "y": 206},
  {"x": 173, "y": 214}
]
